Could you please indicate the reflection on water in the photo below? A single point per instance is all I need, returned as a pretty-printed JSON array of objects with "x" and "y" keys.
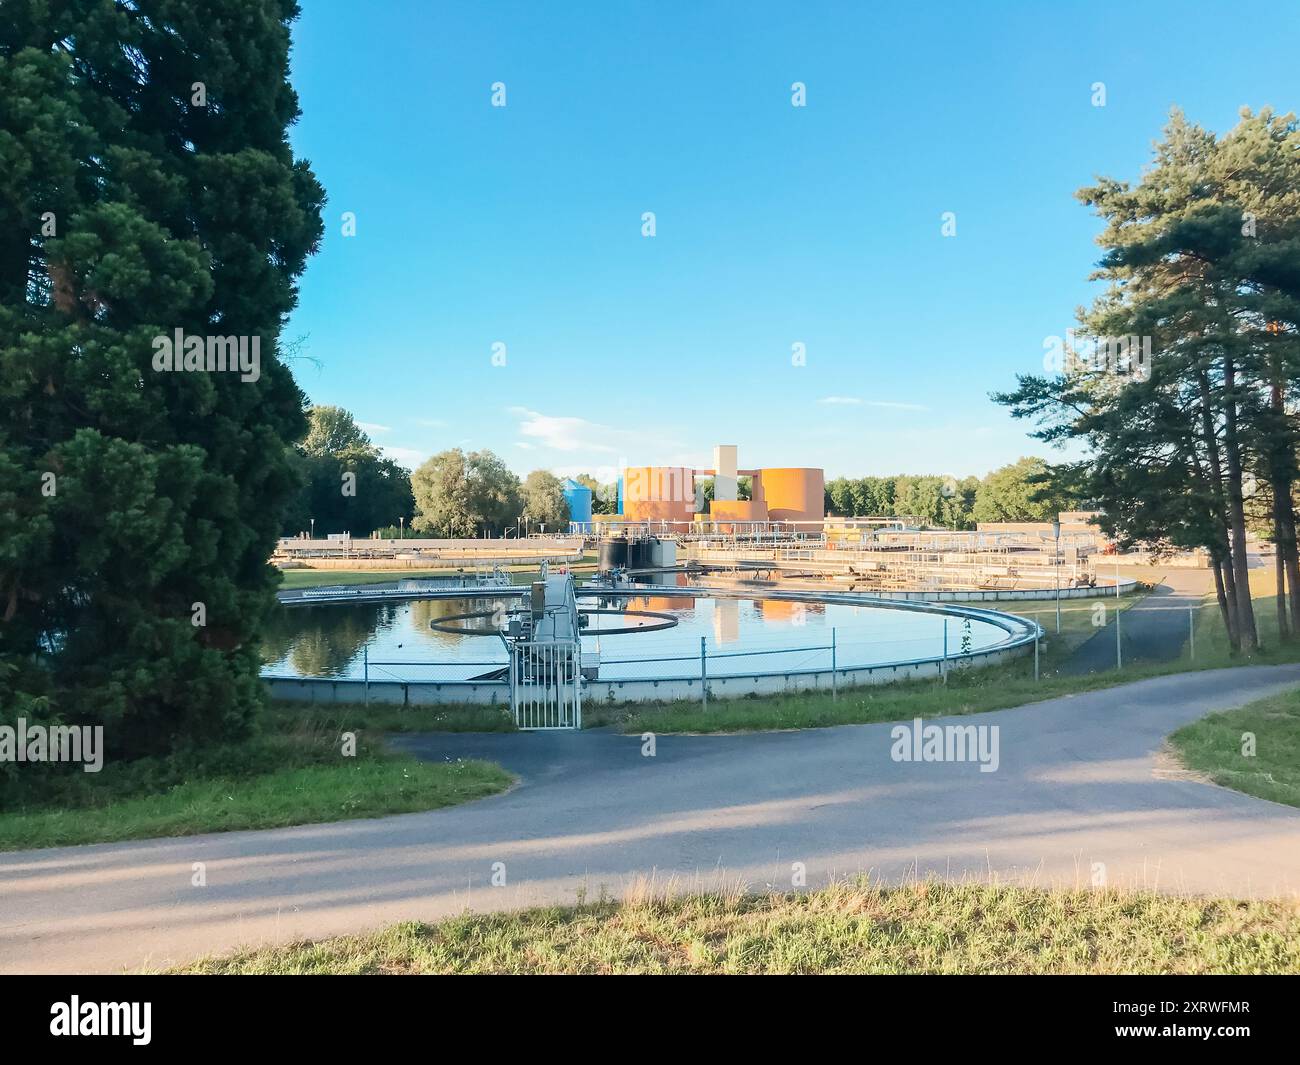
[{"x": 330, "y": 640}]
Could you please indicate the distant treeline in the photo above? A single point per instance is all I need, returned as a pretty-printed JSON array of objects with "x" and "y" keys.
[
  {"x": 347, "y": 486},
  {"x": 1023, "y": 491}
]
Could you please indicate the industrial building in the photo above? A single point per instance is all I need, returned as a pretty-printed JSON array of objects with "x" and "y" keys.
[{"x": 668, "y": 499}]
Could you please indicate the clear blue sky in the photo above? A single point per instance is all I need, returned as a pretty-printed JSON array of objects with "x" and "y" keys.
[{"x": 775, "y": 224}]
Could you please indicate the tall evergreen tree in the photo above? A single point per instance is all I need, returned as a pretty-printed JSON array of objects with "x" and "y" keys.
[
  {"x": 1202, "y": 256},
  {"x": 147, "y": 186}
]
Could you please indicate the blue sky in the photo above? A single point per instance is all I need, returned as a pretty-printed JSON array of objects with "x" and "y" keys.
[{"x": 775, "y": 225}]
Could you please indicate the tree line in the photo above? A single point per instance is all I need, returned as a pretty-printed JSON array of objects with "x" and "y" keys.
[
  {"x": 346, "y": 486},
  {"x": 1025, "y": 490}
]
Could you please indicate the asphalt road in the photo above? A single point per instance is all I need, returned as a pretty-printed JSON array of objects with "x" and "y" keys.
[
  {"x": 1078, "y": 783},
  {"x": 1153, "y": 630}
]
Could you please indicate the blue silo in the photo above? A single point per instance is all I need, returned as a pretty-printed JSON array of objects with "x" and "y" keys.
[{"x": 578, "y": 496}]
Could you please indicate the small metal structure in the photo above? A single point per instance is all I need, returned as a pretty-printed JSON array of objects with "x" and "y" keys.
[
  {"x": 546, "y": 684},
  {"x": 546, "y": 656}
]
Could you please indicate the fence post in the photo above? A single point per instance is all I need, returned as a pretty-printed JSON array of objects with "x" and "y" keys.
[
  {"x": 366, "y": 666},
  {"x": 514, "y": 700},
  {"x": 704, "y": 674},
  {"x": 1038, "y": 638},
  {"x": 1191, "y": 630},
  {"x": 1119, "y": 654},
  {"x": 835, "y": 688},
  {"x": 943, "y": 666}
]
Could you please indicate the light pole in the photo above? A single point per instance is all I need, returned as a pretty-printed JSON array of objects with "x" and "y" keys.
[
  {"x": 1056, "y": 570},
  {"x": 313, "y": 528},
  {"x": 401, "y": 527}
]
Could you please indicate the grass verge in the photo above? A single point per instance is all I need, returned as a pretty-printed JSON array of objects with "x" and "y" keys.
[
  {"x": 294, "y": 775},
  {"x": 1254, "y": 749},
  {"x": 927, "y": 927},
  {"x": 292, "y": 579},
  {"x": 390, "y": 717}
]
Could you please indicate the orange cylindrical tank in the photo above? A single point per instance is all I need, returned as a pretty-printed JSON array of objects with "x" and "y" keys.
[
  {"x": 658, "y": 493},
  {"x": 736, "y": 510},
  {"x": 792, "y": 493}
]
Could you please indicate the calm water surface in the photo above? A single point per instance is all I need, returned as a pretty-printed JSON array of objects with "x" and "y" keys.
[{"x": 742, "y": 636}]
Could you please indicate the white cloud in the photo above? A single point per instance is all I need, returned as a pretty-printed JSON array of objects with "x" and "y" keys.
[
  {"x": 854, "y": 401},
  {"x": 897, "y": 406},
  {"x": 372, "y": 428},
  {"x": 603, "y": 474},
  {"x": 405, "y": 456},
  {"x": 562, "y": 434}
]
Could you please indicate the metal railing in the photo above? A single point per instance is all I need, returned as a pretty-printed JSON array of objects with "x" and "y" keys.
[{"x": 546, "y": 685}]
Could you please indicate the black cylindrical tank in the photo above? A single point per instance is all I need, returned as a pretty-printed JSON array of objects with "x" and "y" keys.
[{"x": 612, "y": 554}]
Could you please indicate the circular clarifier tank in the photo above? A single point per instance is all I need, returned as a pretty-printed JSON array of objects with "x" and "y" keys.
[{"x": 744, "y": 637}]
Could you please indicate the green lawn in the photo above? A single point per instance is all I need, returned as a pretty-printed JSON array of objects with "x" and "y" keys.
[
  {"x": 391, "y": 717},
  {"x": 1077, "y": 621},
  {"x": 294, "y": 775},
  {"x": 1217, "y": 746},
  {"x": 928, "y": 927},
  {"x": 315, "y": 578}
]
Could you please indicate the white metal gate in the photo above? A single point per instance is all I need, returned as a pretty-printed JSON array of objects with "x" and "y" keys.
[{"x": 546, "y": 684}]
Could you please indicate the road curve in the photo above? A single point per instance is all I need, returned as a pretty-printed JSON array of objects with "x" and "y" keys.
[
  {"x": 1155, "y": 629},
  {"x": 1078, "y": 783}
]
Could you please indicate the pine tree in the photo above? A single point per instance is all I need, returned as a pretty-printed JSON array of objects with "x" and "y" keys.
[
  {"x": 1202, "y": 256},
  {"x": 146, "y": 186}
]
